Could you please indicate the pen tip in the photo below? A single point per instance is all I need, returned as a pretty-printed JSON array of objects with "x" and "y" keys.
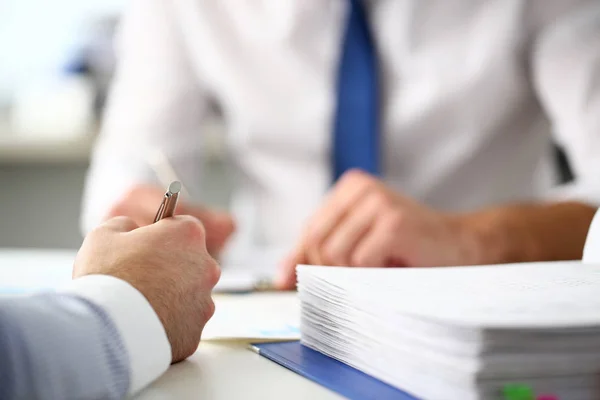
[{"x": 175, "y": 187}]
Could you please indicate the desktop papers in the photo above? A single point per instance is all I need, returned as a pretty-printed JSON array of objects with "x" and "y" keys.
[
  {"x": 465, "y": 332},
  {"x": 255, "y": 317},
  {"x": 246, "y": 268}
]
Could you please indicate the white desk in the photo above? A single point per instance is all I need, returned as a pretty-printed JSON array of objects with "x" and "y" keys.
[{"x": 231, "y": 371}]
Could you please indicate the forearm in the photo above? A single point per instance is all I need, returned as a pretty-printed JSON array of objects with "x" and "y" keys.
[
  {"x": 528, "y": 232},
  {"x": 60, "y": 346}
]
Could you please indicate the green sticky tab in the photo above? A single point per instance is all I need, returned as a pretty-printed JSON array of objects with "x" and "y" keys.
[{"x": 518, "y": 392}]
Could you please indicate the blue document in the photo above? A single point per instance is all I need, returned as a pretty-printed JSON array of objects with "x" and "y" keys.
[{"x": 334, "y": 375}]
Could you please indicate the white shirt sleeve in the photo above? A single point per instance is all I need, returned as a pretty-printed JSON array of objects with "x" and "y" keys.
[
  {"x": 142, "y": 333},
  {"x": 566, "y": 72},
  {"x": 156, "y": 101}
]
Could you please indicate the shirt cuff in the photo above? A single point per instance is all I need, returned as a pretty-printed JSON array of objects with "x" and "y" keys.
[
  {"x": 591, "y": 251},
  {"x": 142, "y": 332}
]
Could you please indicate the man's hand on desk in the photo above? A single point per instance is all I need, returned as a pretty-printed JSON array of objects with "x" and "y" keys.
[
  {"x": 141, "y": 203},
  {"x": 363, "y": 223},
  {"x": 167, "y": 262}
]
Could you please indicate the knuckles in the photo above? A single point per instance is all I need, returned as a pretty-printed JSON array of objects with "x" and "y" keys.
[
  {"x": 213, "y": 273},
  {"x": 191, "y": 227},
  {"x": 209, "y": 312},
  {"x": 395, "y": 220},
  {"x": 356, "y": 177},
  {"x": 358, "y": 260},
  {"x": 206, "y": 273},
  {"x": 333, "y": 255},
  {"x": 381, "y": 200}
]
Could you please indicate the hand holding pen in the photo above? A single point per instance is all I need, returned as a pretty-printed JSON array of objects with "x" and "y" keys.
[{"x": 142, "y": 201}]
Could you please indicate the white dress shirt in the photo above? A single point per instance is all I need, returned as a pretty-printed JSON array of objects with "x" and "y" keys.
[{"x": 473, "y": 92}]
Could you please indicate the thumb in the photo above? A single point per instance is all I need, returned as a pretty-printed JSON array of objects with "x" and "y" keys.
[{"x": 120, "y": 224}]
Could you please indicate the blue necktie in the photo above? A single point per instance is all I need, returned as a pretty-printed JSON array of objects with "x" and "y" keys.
[{"x": 356, "y": 130}]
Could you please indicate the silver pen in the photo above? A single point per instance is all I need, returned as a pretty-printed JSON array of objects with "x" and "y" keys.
[{"x": 169, "y": 202}]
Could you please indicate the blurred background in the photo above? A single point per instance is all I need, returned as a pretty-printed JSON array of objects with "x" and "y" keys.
[{"x": 56, "y": 63}]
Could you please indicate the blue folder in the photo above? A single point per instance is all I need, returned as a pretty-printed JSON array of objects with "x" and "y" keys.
[{"x": 333, "y": 374}]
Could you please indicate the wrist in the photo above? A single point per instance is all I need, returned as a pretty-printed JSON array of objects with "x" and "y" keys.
[
  {"x": 527, "y": 232},
  {"x": 491, "y": 238}
]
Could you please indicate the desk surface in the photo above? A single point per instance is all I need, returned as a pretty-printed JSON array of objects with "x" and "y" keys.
[
  {"x": 231, "y": 371},
  {"x": 218, "y": 370}
]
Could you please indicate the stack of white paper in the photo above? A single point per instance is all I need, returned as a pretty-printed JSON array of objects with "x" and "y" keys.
[{"x": 460, "y": 333}]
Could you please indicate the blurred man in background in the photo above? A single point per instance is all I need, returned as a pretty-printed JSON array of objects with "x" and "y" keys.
[{"x": 432, "y": 120}]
